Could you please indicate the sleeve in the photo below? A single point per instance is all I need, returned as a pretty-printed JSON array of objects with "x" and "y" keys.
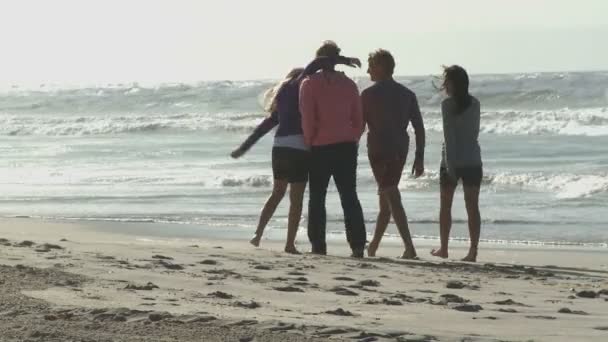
[
  {"x": 449, "y": 137},
  {"x": 308, "y": 111},
  {"x": 324, "y": 62},
  {"x": 366, "y": 108},
  {"x": 418, "y": 125},
  {"x": 477, "y": 121},
  {"x": 264, "y": 127},
  {"x": 357, "y": 114}
]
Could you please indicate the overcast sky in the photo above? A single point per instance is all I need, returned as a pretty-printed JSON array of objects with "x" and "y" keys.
[{"x": 181, "y": 40}]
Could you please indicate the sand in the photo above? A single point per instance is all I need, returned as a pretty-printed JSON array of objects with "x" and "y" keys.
[{"x": 62, "y": 281}]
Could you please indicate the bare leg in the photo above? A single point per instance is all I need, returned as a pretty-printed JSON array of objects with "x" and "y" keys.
[
  {"x": 296, "y": 197},
  {"x": 384, "y": 218},
  {"x": 445, "y": 219},
  {"x": 471, "y": 199},
  {"x": 393, "y": 197},
  {"x": 278, "y": 191}
]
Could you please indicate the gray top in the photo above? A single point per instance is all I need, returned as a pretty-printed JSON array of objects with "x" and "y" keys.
[{"x": 460, "y": 135}]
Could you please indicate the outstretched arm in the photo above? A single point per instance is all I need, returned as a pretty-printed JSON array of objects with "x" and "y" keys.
[
  {"x": 328, "y": 62},
  {"x": 261, "y": 130}
]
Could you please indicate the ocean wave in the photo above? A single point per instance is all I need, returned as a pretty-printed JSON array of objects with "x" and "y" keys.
[
  {"x": 515, "y": 91},
  {"x": 61, "y": 125},
  {"x": 588, "y": 122},
  {"x": 565, "y": 186}
]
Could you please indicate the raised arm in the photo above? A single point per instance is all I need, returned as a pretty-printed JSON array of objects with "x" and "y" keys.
[
  {"x": 308, "y": 110},
  {"x": 264, "y": 127}
]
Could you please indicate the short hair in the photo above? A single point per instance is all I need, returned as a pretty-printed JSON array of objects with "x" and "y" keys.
[
  {"x": 383, "y": 58},
  {"x": 329, "y": 48}
]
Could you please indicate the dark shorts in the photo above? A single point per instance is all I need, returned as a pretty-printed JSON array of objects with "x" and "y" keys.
[
  {"x": 471, "y": 176},
  {"x": 290, "y": 164},
  {"x": 387, "y": 171}
]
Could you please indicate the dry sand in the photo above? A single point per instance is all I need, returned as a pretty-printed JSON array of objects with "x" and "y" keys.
[{"x": 66, "y": 282}]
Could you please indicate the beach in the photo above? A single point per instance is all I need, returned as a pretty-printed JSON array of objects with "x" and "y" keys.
[{"x": 75, "y": 281}]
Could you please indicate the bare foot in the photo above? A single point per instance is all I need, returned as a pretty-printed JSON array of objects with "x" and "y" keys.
[
  {"x": 409, "y": 254},
  {"x": 372, "y": 248},
  {"x": 255, "y": 240},
  {"x": 472, "y": 256},
  {"x": 440, "y": 253},
  {"x": 292, "y": 250}
]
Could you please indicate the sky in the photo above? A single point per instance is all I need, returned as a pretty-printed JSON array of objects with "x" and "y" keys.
[{"x": 104, "y": 41}]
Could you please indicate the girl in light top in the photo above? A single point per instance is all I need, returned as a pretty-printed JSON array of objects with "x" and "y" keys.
[{"x": 461, "y": 157}]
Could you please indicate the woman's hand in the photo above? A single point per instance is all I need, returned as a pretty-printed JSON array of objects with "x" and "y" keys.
[
  {"x": 354, "y": 62},
  {"x": 237, "y": 153},
  {"x": 418, "y": 167}
]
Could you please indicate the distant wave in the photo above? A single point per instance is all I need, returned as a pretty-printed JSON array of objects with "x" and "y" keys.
[
  {"x": 587, "y": 121},
  {"x": 505, "y": 91},
  {"x": 563, "y": 186}
]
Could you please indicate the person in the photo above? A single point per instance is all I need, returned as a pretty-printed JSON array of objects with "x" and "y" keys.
[
  {"x": 461, "y": 158},
  {"x": 388, "y": 108},
  {"x": 332, "y": 123},
  {"x": 290, "y": 155}
]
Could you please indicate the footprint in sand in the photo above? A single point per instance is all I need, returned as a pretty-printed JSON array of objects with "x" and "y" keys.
[
  {"x": 572, "y": 312},
  {"x": 467, "y": 307},
  {"x": 25, "y": 243},
  {"x": 220, "y": 295},
  {"x": 169, "y": 265},
  {"x": 370, "y": 283},
  {"x": 452, "y": 298},
  {"x": 587, "y": 294},
  {"x": 326, "y": 332},
  {"x": 263, "y": 267},
  {"x": 297, "y": 273},
  {"x": 549, "y": 318},
  {"x": 340, "y": 312},
  {"x": 288, "y": 289},
  {"x": 247, "y": 305},
  {"x": 148, "y": 287},
  {"x": 344, "y": 279},
  {"x": 342, "y": 291},
  {"x": 509, "y": 302},
  {"x": 385, "y": 301},
  {"x": 454, "y": 284},
  {"x": 161, "y": 257},
  {"x": 209, "y": 262}
]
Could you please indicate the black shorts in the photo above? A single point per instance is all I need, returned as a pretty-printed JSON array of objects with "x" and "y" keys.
[
  {"x": 471, "y": 176},
  {"x": 290, "y": 164}
]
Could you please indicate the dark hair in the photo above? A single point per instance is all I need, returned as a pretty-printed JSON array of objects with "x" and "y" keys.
[
  {"x": 329, "y": 48},
  {"x": 384, "y": 58},
  {"x": 459, "y": 80}
]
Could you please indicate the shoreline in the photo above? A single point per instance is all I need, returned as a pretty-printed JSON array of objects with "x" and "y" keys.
[{"x": 180, "y": 230}]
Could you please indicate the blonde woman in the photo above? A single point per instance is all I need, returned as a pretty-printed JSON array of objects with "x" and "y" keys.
[{"x": 290, "y": 155}]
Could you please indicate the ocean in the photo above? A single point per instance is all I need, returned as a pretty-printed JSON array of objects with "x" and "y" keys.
[{"x": 159, "y": 155}]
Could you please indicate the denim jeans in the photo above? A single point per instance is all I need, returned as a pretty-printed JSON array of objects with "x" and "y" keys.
[{"x": 339, "y": 161}]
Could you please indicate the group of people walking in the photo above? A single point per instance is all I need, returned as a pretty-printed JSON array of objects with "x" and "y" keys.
[{"x": 321, "y": 117}]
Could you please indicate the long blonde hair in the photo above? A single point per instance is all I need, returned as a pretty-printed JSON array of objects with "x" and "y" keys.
[{"x": 270, "y": 96}]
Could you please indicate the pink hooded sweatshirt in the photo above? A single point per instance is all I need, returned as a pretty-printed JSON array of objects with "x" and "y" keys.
[{"x": 331, "y": 109}]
